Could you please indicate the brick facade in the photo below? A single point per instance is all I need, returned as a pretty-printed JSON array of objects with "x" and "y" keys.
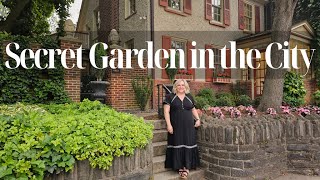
[
  {"x": 72, "y": 76},
  {"x": 120, "y": 94},
  {"x": 109, "y": 14}
]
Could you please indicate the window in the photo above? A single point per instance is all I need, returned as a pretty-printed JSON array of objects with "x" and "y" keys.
[
  {"x": 217, "y": 12},
  {"x": 175, "y": 4},
  {"x": 130, "y": 7},
  {"x": 218, "y": 70},
  {"x": 97, "y": 19},
  {"x": 247, "y": 16},
  {"x": 260, "y": 74},
  {"x": 179, "y": 44}
]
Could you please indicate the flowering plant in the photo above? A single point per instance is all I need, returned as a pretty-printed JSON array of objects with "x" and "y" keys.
[
  {"x": 251, "y": 111},
  {"x": 223, "y": 74},
  {"x": 184, "y": 71},
  {"x": 303, "y": 112},
  {"x": 271, "y": 111},
  {"x": 235, "y": 113},
  {"x": 286, "y": 109}
]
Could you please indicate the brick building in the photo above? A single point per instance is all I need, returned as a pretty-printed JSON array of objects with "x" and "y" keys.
[{"x": 176, "y": 23}]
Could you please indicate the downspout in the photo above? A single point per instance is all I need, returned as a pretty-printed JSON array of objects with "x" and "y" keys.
[{"x": 152, "y": 40}]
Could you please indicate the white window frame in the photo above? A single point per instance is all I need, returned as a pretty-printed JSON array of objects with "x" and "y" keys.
[
  {"x": 221, "y": 12},
  {"x": 252, "y": 16},
  {"x": 184, "y": 49},
  {"x": 128, "y": 10},
  {"x": 180, "y": 8}
]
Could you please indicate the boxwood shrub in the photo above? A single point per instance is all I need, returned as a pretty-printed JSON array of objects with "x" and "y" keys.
[{"x": 37, "y": 140}]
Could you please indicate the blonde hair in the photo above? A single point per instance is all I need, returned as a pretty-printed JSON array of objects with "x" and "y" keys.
[{"x": 186, "y": 85}]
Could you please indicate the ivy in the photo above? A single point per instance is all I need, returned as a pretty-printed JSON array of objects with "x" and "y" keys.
[
  {"x": 32, "y": 85},
  {"x": 39, "y": 140}
]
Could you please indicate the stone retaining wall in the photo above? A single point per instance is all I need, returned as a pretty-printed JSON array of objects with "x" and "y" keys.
[
  {"x": 259, "y": 148},
  {"x": 135, "y": 167}
]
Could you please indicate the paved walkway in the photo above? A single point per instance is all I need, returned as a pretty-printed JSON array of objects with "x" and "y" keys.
[{"x": 297, "y": 177}]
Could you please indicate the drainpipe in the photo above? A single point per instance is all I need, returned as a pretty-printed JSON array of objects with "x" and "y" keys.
[{"x": 152, "y": 39}]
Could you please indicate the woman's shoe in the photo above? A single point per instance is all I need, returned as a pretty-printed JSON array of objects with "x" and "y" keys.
[{"x": 183, "y": 174}]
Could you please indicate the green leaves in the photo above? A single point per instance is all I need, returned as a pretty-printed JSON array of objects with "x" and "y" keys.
[
  {"x": 36, "y": 140},
  {"x": 293, "y": 89},
  {"x": 142, "y": 87}
]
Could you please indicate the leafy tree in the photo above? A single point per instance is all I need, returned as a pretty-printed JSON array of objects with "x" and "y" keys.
[
  {"x": 29, "y": 17},
  {"x": 281, "y": 29}
]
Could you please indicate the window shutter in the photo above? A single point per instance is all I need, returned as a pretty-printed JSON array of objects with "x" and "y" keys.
[
  {"x": 208, "y": 10},
  {"x": 209, "y": 72},
  {"x": 226, "y": 12},
  {"x": 241, "y": 14},
  {"x": 257, "y": 19},
  {"x": 187, "y": 6},
  {"x": 228, "y": 62},
  {"x": 189, "y": 56},
  {"x": 166, "y": 44},
  {"x": 163, "y": 3}
]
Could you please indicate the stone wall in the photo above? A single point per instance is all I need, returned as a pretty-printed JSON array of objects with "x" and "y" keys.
[
  {"x": 260, "y": 148},
  {"x": 135, "y": 167}
]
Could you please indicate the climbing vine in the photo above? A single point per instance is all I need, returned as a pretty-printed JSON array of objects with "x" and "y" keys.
[{"x": 32, "y": 85}]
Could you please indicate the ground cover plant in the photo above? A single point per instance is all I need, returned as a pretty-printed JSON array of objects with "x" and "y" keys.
[{"x": 39, "y": 140}]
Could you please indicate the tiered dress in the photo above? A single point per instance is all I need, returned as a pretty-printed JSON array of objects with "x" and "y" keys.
[{"x": 182, "y": 149}]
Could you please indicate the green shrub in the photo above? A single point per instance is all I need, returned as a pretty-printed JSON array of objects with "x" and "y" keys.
[
  {"x": 37, "y": 140},
  {"x": 201, "y": 102},
  {"x": 244, "y": 100},
  {"x": 209, "y": 95},
  {"x": 226, "y": 94},
  {"x": 316, "y": 97},
  {"x": 256, "y": 101},
  {"x": 142, "y": 87},
  {"x": 293, "y": 89},
  {"x": 225, "y": 101}
]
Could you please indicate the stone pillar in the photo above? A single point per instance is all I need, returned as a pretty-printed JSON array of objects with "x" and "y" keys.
[
  {"x": 72, "y": 76},
  {"x": 120, "y": 94}
]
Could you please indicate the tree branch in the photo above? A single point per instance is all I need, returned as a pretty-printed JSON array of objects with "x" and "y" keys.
[{"x": 15, "y": 12}]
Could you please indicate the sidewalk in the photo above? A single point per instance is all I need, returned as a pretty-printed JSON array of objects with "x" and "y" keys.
[{"x": 297, "y": 177}]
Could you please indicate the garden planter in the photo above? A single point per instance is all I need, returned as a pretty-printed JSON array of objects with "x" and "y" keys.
[
  {"x": 99, "y": 90},
  {"x": 187, "y": 77},
  {"x": 221, "y": 80}
]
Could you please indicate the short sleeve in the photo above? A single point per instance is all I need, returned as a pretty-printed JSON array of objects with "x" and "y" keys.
[{"x": 167, "y": 99}]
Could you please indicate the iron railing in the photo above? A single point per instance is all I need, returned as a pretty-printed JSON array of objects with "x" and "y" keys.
[{"x": 162, "y": 91}]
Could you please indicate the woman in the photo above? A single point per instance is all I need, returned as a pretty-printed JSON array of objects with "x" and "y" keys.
[{"x": 181, "y": 118}]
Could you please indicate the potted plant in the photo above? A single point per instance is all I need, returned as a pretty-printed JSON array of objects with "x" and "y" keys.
[
  {"x": 99, "y": 86},
  {"x": 171, "y": 72},
  {"x": 222, "y": 77}
]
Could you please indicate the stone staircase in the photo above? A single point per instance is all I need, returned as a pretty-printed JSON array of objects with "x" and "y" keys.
[{"x": 159, "y": 143}]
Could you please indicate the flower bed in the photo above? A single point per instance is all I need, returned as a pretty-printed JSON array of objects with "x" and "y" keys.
[{"x": 39, "y": 140}]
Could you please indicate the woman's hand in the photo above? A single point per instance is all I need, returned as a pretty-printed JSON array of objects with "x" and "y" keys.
[
  {"x": 197, "y": 124},
  {"x": 170, "y": 129}
]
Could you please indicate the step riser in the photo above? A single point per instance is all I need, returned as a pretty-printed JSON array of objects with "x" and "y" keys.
[
  {"x": 158, "y": 167},
  {"x": 160, "y": 136},
  {"x": 194, "y": 175},
  {"x": 159, "y": 124},
  {"x": 159, "y": 150}
]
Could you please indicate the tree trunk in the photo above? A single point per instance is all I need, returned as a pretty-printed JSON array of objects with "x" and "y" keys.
[
  {"x": 281, "y": 29},
  {"x": 15, "y": 12}
]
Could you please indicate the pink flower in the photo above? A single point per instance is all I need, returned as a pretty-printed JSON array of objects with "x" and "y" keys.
[{"x": 271, "y": 111}]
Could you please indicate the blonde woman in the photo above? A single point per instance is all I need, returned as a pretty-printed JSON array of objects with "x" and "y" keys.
[{"x": 182, "y": 119}]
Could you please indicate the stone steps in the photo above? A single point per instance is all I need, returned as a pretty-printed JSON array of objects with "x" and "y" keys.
[
  {"x": 159, "y": 148},
  {"x": 160, "y": 135},
  {"x": 158, "y": 164},
  {"x": 171, "y": 175}
]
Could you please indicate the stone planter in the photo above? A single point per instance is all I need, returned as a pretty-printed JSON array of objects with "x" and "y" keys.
[
  {"x": 99, "y": 90},
  {"x": 137, "y": 166}
]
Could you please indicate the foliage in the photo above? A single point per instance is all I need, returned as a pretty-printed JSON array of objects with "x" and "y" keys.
[
  {"x": 208, "y": 94},
  {"x": 256, "y": 101},
  {"x": 31, "y": 17},
  {"x": 244, "y": 100},
  {"x": 99, "y": 73},
  {"x": 142, "y": 87},
  {"x": 201, "y": 102},
  {"x": 316, "y": 97},
  {"x": 171, "y": 72},
  {"x": 293, "y": 89},
  {"x": 49, "y": 138},
  {"x": 225, "y": 101},
  {"x": 32, "y": 85}
]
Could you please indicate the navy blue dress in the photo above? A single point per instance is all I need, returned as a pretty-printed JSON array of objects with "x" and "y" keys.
[{"x": 182, "y": 150}]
